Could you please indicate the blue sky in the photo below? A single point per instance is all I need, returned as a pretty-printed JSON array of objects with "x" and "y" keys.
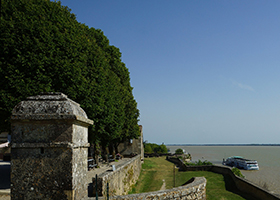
[{"x": 203, "y": 72}]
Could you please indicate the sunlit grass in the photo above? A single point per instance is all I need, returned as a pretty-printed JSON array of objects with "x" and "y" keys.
[
  {"x": 217, "y": 187},
  {"x": 154, "y": 170}
]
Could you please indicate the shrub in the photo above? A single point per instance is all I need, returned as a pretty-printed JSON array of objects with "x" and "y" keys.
[
  {"x": 155, "y": 148},
  {"x": 205, "y": 162},
  {"x": 190, "y": 164},
  {"x": 148, "y": 149},
  {"x": 237, "y": 172},
  {"x": 179, "y": 151},
  {"x": 199, "y": 163}
]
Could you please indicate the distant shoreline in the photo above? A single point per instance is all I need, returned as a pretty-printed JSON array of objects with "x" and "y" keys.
[{"x": 222, "y": 144}]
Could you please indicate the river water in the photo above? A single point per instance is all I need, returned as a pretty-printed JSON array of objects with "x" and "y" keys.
[{"x": 268, "y": 158}]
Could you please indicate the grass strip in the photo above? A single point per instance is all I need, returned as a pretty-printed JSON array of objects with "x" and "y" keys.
[{"x": 154, "y": 170}]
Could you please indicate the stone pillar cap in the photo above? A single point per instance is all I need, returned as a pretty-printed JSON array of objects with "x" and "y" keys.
[{"x": 51, "y": 105}]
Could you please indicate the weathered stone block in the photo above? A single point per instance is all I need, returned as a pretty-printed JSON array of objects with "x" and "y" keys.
[{"x": 49, "y": 148}]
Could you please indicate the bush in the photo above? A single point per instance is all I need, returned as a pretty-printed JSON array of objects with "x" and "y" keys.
[
  {"x": 148, "y": 149},
  {"x": 199, "y": 163},
  {"x": 205, "y": 162},
  {"x": 188, "y": 156},
  {"x": 190, "y": 164},
  {"x": 179, "y": 151},
  {"x": 237, "y": 172},
  {"x": 154, "y": 148}
]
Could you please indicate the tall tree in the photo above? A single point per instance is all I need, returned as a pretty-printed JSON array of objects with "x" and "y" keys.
[
  {"x": 41, "y": 51},
  {"x": 45, "y": 49}
]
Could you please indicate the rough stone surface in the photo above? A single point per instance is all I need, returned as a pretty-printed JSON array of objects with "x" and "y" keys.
[
  {"x": 49, "y": 106},
  {"x": 120, "y": 180},
  {"x": 49, "y": 148},
  {"x": 195, "y": 190},
  {"x": 136, "y": 147}
]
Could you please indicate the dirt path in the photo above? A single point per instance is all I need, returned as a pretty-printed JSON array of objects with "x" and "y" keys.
[{"x": 163, "y": 185}]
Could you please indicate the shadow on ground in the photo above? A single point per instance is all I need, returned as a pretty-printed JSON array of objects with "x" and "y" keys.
[{"x": 5, "y": 172}]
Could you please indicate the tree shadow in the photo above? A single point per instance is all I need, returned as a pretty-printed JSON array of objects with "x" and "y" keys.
[{"x": 90, "y": 190}]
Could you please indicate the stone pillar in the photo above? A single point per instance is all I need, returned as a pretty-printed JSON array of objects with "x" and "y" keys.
[{"x": 49, "y": 148}]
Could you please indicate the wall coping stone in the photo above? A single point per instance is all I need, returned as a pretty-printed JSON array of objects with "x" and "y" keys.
[
  {"x": 50, "y": 106},
  {"x": 161, "y": 193},
  {"x": 118, "y": 168}
]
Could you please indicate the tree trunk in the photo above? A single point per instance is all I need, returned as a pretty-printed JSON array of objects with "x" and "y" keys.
[
  {"x": 96, "y": 153},
  {"x": 104, "y": 153},
  {"x": 111, "y": 150},
  {"x": 116, "y": 148}
]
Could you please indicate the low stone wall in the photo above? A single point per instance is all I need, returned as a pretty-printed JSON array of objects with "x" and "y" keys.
[
  {"x": 195, "y": 190},
  {"x": 242, "y": 184},
  {"x": 121, "y": 180},
  {"x": 178, "y": 162}
]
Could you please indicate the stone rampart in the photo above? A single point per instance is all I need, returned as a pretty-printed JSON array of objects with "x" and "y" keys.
[
  {"x": 120, "y": 183},
  {"x": 242, "y": 184},
  {"x": 178, "y": 162},
  {"x": 121, "y": 180},
  {"x": 196, "y": 190}
]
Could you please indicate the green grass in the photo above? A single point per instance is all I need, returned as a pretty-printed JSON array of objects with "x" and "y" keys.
[
  {"x": 155, "y": 169},
  {"x": 217, "y": 187}
]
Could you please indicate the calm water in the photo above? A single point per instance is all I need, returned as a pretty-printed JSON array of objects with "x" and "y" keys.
[{"x": 268, "y": 158}]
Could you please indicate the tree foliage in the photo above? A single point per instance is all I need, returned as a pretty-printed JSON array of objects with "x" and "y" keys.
[
  {"x": 179, "y": 151},
  {"x": 155, "y": 148},
  {"x": 45, "y": 49},
  {"x": 199, "y": 163}
]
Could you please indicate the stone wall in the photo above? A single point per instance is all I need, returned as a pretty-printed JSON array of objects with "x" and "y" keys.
[
  {"x": 242, "y": 184},
  {"x": 121, "y": 180},
  {"x": 196, "y": 190},
  {"x": 126, "y": 175},
  {"x": 178, "y": 162},
  {"x": 133, "y": 146}
]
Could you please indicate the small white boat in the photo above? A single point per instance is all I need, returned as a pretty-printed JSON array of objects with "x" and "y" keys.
[{"x": 241, "y": 163}]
